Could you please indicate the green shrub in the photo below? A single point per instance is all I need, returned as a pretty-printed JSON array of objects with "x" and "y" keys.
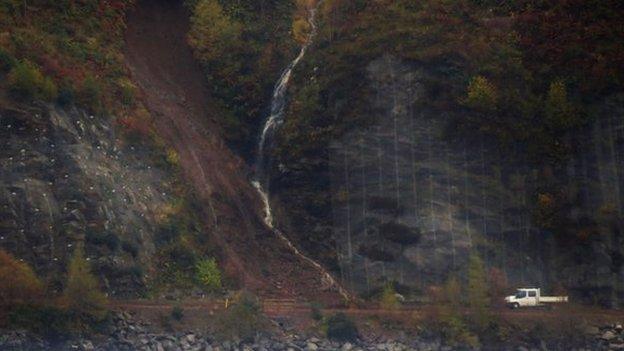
[
  {"x": 177, "y": 313},
  {"x": 208, "y": 274},
  {"x": 477, "y": 293},
  {"x": 49, "y": 91},
  {"x": 127, "y": 90},
  {"x": 183, "y": 255},
  {"x": 91, "y": 94},
  {"x": 25, "y": 80},
  {"x": 559, "y": 112},
  {"x": 316, "y": 311},
  {"x": 243, "y": 320},
  {"x": 341, "y": 328},
  {"x": 446, "y": 318},
  {"x": 389, "y": 298},
  {"x": 452, "y": 292},
  {"x": 453, "y": 329},
  {"x": 82, "y": 294},
  {"x": 52, "y": 323},
  {"x": 482, "y": 95}
]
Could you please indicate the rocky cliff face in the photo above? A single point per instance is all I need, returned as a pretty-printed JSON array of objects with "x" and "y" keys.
[
  {"x": 410, "y": 206},
  {"x": 68, "y": 178},
  {"x": 410, "y": 203}
]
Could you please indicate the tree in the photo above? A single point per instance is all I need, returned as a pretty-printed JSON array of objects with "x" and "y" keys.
[
  {"x": 448, "y": 319},
  {"x": 49, "y": 91},
  {"x": 560, "y": 114},
  {"x": 25, "y": 80},
  {"x": 208, "y": 274},
  {"x": 478, "y": 300},
  {"x": 389, "y": 298},
  {"x": 498, "y": 284},
  {"x": 301, "y": 30},
  {"x": 213, "y": 32},
  {"x": 19, "y": 285},
  {"x": 91, "y": 94},
  {"x": 482, "y": 94},
  {"x": 452, "y": 292},
  {"x": 82, "y": 294},
  {"x": 242, "y": 320}
]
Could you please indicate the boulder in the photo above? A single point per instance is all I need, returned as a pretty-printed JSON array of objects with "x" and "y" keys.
[
  {"x": 190, "y": 338},
  {"x": 608, "y": 335}
]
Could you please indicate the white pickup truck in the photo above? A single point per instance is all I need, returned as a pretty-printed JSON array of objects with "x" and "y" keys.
[{"x": 532, "y": 297}]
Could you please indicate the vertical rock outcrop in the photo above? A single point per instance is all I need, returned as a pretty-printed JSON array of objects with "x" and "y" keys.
[{"x": 67, "y": 178}]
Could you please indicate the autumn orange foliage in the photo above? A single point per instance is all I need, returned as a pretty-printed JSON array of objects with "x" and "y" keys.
[{"x": 19, "y": 285}]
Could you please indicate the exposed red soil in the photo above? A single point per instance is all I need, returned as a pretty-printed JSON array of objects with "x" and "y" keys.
[{"x": 176, "y": 94}]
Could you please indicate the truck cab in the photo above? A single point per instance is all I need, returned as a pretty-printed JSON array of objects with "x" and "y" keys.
[
  {"x": 524, "y": 297},
  {"x": 532, "y": 297}
]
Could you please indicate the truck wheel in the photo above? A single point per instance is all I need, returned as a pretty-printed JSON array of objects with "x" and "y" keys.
[{"x": 515, "y": 306}]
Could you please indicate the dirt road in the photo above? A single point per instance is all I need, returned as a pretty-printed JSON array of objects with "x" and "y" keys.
[{"x": 289, "y": 308}]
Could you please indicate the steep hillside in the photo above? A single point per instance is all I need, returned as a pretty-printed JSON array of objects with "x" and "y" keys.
[
  {"x": 120, "y": 147},
  {"x": 412, "y": 136},
  {"x": 418, "y": 134},
  {"x": 78, "y": 164},
  {"x": 184, "y": 116}
]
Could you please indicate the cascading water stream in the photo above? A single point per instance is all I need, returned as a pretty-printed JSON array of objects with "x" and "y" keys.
[{"x": 275, "y": 119}]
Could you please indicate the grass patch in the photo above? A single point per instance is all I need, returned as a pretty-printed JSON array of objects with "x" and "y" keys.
[{"x": 243, "y": 320}]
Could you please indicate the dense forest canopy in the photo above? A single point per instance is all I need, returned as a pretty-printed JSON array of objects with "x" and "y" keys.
[
  {"x": 66, "y": 51},
  {"x": 520, "y": 70}
]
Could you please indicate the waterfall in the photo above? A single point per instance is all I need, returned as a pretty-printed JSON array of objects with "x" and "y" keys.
[
  {"x": 275, "y": 119},
  {"x": 278, "y": 102}
]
